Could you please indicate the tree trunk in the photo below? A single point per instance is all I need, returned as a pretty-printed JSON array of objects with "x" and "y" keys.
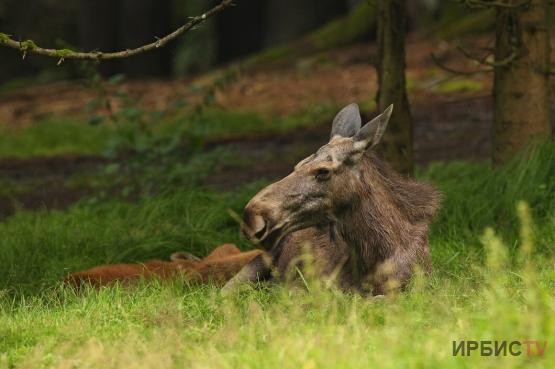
[
  {"x": 521, "y": 87},
  {"x": 397, "y": 141}
]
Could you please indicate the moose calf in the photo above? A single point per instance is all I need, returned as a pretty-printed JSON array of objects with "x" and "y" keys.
[{"x": 218, "y": 267}]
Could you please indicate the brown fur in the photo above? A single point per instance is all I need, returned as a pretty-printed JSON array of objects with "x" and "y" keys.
[
  {"x": 219, "y": 266},
  {"x": 379, "y": 242},
  {"x": 365, "y": 224}
]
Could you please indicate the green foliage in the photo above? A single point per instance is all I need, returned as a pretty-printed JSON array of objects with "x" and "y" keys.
[
  {"x": 354, "y": 27},
  {"x": 62, "y": 53},
  {"x": 144, "y": 134},
  {"x": 214, "y": 123},
  {"x": 453, "y": 25},
  {"x": 133, "y": 126},
  {"x": 183, "y": 216},
  {"x": 151, "y": 141},
  {"x": 27, "y": 45},
  {"x": 477, "y": 197},
  {"x": 174, "y": 325},
  {"x": 4, "y": 37},
  {"x": 38, "y": 248},
  {"x": 53, "y": 137},
  {"x": 460, "y": 85},
  {"x": 482, "y": 283}
]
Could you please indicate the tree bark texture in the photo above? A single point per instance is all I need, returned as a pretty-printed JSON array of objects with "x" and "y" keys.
[
  {"x": 397, "y": 141},
  {"x": 521, "y": 87}
]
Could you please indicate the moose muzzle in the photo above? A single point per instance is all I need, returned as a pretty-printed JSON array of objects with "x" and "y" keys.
[
  {"x": 261, "y": 223},
  {"x": 255, "y": 226}
]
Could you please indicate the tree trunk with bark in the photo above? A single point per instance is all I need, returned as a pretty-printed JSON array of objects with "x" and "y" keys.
[
  {"x": 521, "y": 82},
  {"x": 397, "y": 141}
]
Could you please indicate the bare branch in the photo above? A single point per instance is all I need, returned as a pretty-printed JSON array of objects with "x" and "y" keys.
[
  {"x": 454, "y": 71},
  {"x": 29, "y": 47},
  {"x": 483, "y": 60}
]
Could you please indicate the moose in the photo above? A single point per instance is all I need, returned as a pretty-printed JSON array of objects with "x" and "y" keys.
[
  {"x": 218, "y": 267},
  {"x": 365, "y": 225}
]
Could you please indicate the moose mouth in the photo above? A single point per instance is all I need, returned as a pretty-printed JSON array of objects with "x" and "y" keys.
[{"x": 265, "y": 236}]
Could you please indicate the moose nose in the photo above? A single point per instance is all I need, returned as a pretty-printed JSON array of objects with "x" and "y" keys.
[
  {"x": 255, "y": 224},
  {"x": 259, "y": 226}
]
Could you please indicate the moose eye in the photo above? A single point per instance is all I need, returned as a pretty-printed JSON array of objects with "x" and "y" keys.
[{"x": 322, "y": 174}]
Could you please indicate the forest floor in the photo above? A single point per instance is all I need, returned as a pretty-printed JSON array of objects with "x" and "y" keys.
[
  {"x": 82, "y": 186},
  {"x": 294, "y": 100}
]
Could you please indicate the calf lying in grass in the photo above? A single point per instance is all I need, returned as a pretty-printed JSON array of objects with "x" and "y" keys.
[
  {"x": 218, "y": 267},
  {"x": 365, "y": 225}
]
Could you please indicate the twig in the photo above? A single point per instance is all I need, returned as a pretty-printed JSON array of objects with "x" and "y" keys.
[
  {"x": 496, "y": 64},
  {"x": 454, "y": 71},
  {"x": 303, "y": 279},
  {"x": 30, "y": 47}
]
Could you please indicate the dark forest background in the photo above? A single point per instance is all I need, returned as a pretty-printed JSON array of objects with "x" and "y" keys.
[
  {"x": 113, "y": 25},
  {"x": 119, "y": 24}
]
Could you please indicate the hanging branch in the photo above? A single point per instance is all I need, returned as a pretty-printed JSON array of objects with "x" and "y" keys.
[{"x": 30, "y": 47}]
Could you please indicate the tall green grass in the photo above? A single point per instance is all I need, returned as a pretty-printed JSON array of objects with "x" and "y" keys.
[
  {"x": 477, "y": 196},
  {"x": 38, "y": 248},
  {"x": 175, "y": 325},
  {"x": 493, "y": 280}
]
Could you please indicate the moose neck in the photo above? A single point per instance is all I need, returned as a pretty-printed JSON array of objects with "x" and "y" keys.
[{"x": 375, "y": 227}]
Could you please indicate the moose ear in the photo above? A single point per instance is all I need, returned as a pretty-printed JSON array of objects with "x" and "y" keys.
[
  {"x": 183, "y": 255},
  {"x": 347, "y": 122},
  {"x": 372, "y": 132}
]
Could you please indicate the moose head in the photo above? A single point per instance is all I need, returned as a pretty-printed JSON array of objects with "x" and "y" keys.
[{"x": 322, "y": 187}]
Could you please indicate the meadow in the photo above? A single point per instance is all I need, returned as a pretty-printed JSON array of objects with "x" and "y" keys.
[{"x": 494, "y": 277}]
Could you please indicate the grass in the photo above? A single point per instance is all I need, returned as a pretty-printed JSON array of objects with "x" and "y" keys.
[
  {"x": 215, "y": 123},
  {"x": 178, "y": 325},
  {"x": 53, "y": 137},
  {"x": 487, "y": 285}
]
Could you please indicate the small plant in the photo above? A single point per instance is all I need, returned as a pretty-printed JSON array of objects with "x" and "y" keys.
[
  {"x": 136, "y": 147},
  {"x": 148, "y": 147}
]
